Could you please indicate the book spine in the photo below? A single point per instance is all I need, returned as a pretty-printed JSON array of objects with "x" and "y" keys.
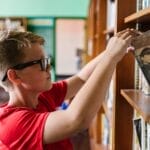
[
  {"x": 145, "y": 4},
  {"x": 139, "y": 5}
]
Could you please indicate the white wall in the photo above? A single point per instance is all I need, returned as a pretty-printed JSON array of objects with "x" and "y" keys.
[{"x": 69, "y": 37}]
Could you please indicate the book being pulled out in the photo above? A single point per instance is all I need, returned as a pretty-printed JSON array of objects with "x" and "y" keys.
[{"x": 142, "y": 53}]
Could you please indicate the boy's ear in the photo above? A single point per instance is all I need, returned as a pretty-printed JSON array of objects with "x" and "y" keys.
[{"x": 12, "y": 76}]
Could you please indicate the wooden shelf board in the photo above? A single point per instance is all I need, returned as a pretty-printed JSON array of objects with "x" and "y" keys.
[
  {"x": 140, "y": 16},
  {"x": 139, "y": 101}
]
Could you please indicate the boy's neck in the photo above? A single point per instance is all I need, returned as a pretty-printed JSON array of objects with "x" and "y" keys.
[{"x": 23, "y": 100}]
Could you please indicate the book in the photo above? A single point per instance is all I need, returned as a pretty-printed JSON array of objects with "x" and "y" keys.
[
  {"x": 142, "y": 53},
  {"x": 140, "y": 127},
  {"x": 145, "y": 4},
  {"x": 139, "y": 4},
  {"x": 138, "y": 130}
]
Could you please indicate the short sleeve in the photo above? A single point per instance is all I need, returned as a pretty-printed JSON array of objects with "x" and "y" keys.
[{"x": 28, "y": 130}]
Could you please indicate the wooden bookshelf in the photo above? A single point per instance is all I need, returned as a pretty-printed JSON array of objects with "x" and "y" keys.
[
  {"x": 97, "y": 44},
  {"x": 124, "y": 101},
  {"x": 139, "y": 101},
  {"x": 140, "y": 16},
  {"x": 20, "y": 20}
]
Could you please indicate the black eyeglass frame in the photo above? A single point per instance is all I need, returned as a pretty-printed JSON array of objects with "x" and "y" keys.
[{"x": 44, "y": 64}]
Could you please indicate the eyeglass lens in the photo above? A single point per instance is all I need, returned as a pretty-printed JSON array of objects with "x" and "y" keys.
[{"x": 45, "y": 63}]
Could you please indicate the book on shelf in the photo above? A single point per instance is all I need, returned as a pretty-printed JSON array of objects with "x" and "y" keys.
[
  {"x": 139, "y": 5},
  {"x": 146, "y": 3},
  {"x": 142, "y": 4},
  {"x": 12, "y": 24},
  {"x": 141, "y": 133},
  {"x": 137, "y": 131},
  {"x": 142, "y": 54}
]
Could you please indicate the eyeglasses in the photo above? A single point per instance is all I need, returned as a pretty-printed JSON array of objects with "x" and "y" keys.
[{"x": 45, "y": 63}]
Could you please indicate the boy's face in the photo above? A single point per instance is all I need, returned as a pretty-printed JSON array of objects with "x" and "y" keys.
[{"x": 32, "y": 77}]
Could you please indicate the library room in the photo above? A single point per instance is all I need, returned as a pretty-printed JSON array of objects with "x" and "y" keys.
[{"x": 75, "y": 75}]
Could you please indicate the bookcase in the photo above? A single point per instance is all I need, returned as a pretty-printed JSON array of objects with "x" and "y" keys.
[
  {"x": 126, "y": 99},
  {"x": 13, "y": 23},
  {"x": 95, "y": 43}
]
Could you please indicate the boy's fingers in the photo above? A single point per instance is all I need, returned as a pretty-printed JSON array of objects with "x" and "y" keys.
[
  {"x": 136, "y": 32},
  {"x": 124, "y": 33},
  {"x": 118, "y": 34},
  {"x": 129, "y": 38}
]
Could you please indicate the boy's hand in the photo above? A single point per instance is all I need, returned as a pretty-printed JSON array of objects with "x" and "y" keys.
[{"x": 118, "y": 44}]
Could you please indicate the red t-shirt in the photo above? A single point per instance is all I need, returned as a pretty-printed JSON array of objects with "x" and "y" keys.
[{"x": 21, "y": 128}]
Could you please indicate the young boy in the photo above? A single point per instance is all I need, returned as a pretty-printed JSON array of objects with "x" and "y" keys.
[{"x": 30, "y": 120}]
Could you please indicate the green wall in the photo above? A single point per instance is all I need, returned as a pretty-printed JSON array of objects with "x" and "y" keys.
[{"x": 54, "y": 8}]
